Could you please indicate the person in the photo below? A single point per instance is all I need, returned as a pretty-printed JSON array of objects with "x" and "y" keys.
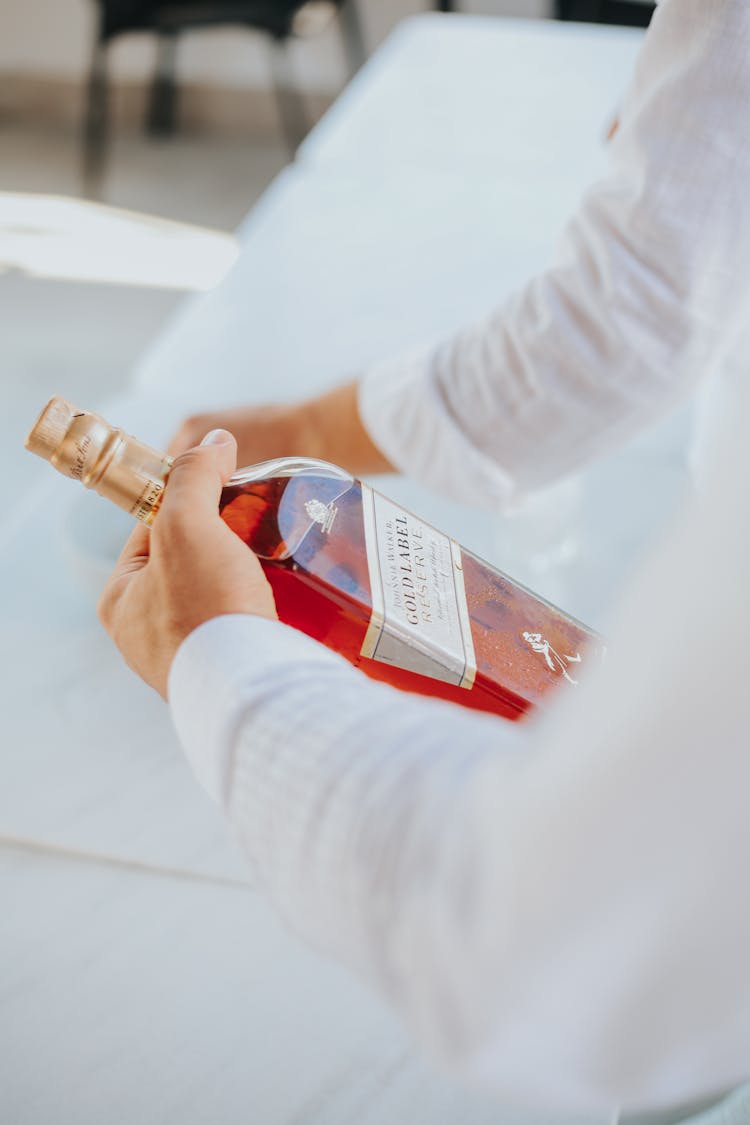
[{"x": 556, "y": 907}]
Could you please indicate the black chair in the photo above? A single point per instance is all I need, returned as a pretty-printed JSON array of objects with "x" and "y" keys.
[
  {"x": 630, "y": 13},
  {"x": 280, "y": 20}
]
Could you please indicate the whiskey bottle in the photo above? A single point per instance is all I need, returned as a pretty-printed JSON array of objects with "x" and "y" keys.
[{"x": 354, "y": 570}]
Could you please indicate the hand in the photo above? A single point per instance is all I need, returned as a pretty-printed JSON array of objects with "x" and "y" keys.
[
  {"x": 262, "y": 432},
  {"x": 185, "y": 570},
  {"x": 327, "y": 427}
]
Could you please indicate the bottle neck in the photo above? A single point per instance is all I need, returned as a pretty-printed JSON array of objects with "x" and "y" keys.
[{"x": 82, "y": 445}]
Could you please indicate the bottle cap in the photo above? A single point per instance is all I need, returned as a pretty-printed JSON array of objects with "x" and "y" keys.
[
  {"x": 83, "y": 445},
  {"x": 50, "y": 428}
]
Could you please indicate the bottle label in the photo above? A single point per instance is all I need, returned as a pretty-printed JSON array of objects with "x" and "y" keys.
[{"x": 420, "y": 619}]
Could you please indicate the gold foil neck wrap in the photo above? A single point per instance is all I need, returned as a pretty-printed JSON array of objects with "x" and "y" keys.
[{"x": 83, "y": 445}]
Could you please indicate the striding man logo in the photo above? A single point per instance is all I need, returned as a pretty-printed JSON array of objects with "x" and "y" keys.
[{"x": 555, "y": 661}]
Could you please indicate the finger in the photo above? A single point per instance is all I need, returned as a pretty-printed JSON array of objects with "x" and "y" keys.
[
  {"x": 133, "y": 557},
  {"x": 137, "y": 547},
  {"x": 137, "y": 543},
  {"x": 197, "y": 478},
  {"x": 225, "y": 444}
]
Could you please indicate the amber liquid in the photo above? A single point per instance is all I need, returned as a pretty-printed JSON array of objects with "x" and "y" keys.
[{"x": 320, "y": 579}]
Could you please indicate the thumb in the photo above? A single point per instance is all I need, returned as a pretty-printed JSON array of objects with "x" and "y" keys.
[{"x": 198, "y": 476}]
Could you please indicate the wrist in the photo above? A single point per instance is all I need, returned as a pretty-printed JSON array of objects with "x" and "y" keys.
[
  {"x": 332, "y": 429},
  {"x": 309, "y": 430}
]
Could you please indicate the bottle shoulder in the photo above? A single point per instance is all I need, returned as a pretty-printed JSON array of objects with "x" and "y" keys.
[
  {"x": 289, "y": 467},
  {"x": 274, "y": 506}
]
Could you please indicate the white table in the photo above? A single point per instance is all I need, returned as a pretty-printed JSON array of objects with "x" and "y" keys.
[
  {"x": 143, "y": 982},
  {"x": 526, "y": 99}
]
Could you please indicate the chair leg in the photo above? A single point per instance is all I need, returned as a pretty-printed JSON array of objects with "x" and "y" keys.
[
  {"x": 292, "y": 112},
  {"x": 95, "y": 131},
  {"x": 353, "y": 37},
  {"x": 581, "y": 11},
  {"x": 162, "y": 109}
]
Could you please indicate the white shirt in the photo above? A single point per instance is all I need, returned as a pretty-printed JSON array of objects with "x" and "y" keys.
[
  {"x": 560, "y": 908},
  {"x": 650, "y": 289}
]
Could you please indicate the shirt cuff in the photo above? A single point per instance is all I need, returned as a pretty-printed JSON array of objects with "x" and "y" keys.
[
  {"x": 403, "y": 410},
  {"x": 220, "y": 671}
]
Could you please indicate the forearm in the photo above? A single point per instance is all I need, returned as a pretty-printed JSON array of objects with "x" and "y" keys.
[{"x": 340, "y": 791}]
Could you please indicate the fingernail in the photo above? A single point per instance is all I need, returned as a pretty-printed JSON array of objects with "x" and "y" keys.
[{"x": 217, "y": 437}]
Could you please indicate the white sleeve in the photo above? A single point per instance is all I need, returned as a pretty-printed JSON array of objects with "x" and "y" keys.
[
  {"x": 562, "y": 898},
  {"x": 648, "y": 290}
]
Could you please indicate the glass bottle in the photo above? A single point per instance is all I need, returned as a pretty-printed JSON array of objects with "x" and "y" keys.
[{"x": 354, "y": 570}]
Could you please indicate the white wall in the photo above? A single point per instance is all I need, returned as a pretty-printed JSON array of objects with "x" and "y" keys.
[{"x": 52, "y": 38}]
